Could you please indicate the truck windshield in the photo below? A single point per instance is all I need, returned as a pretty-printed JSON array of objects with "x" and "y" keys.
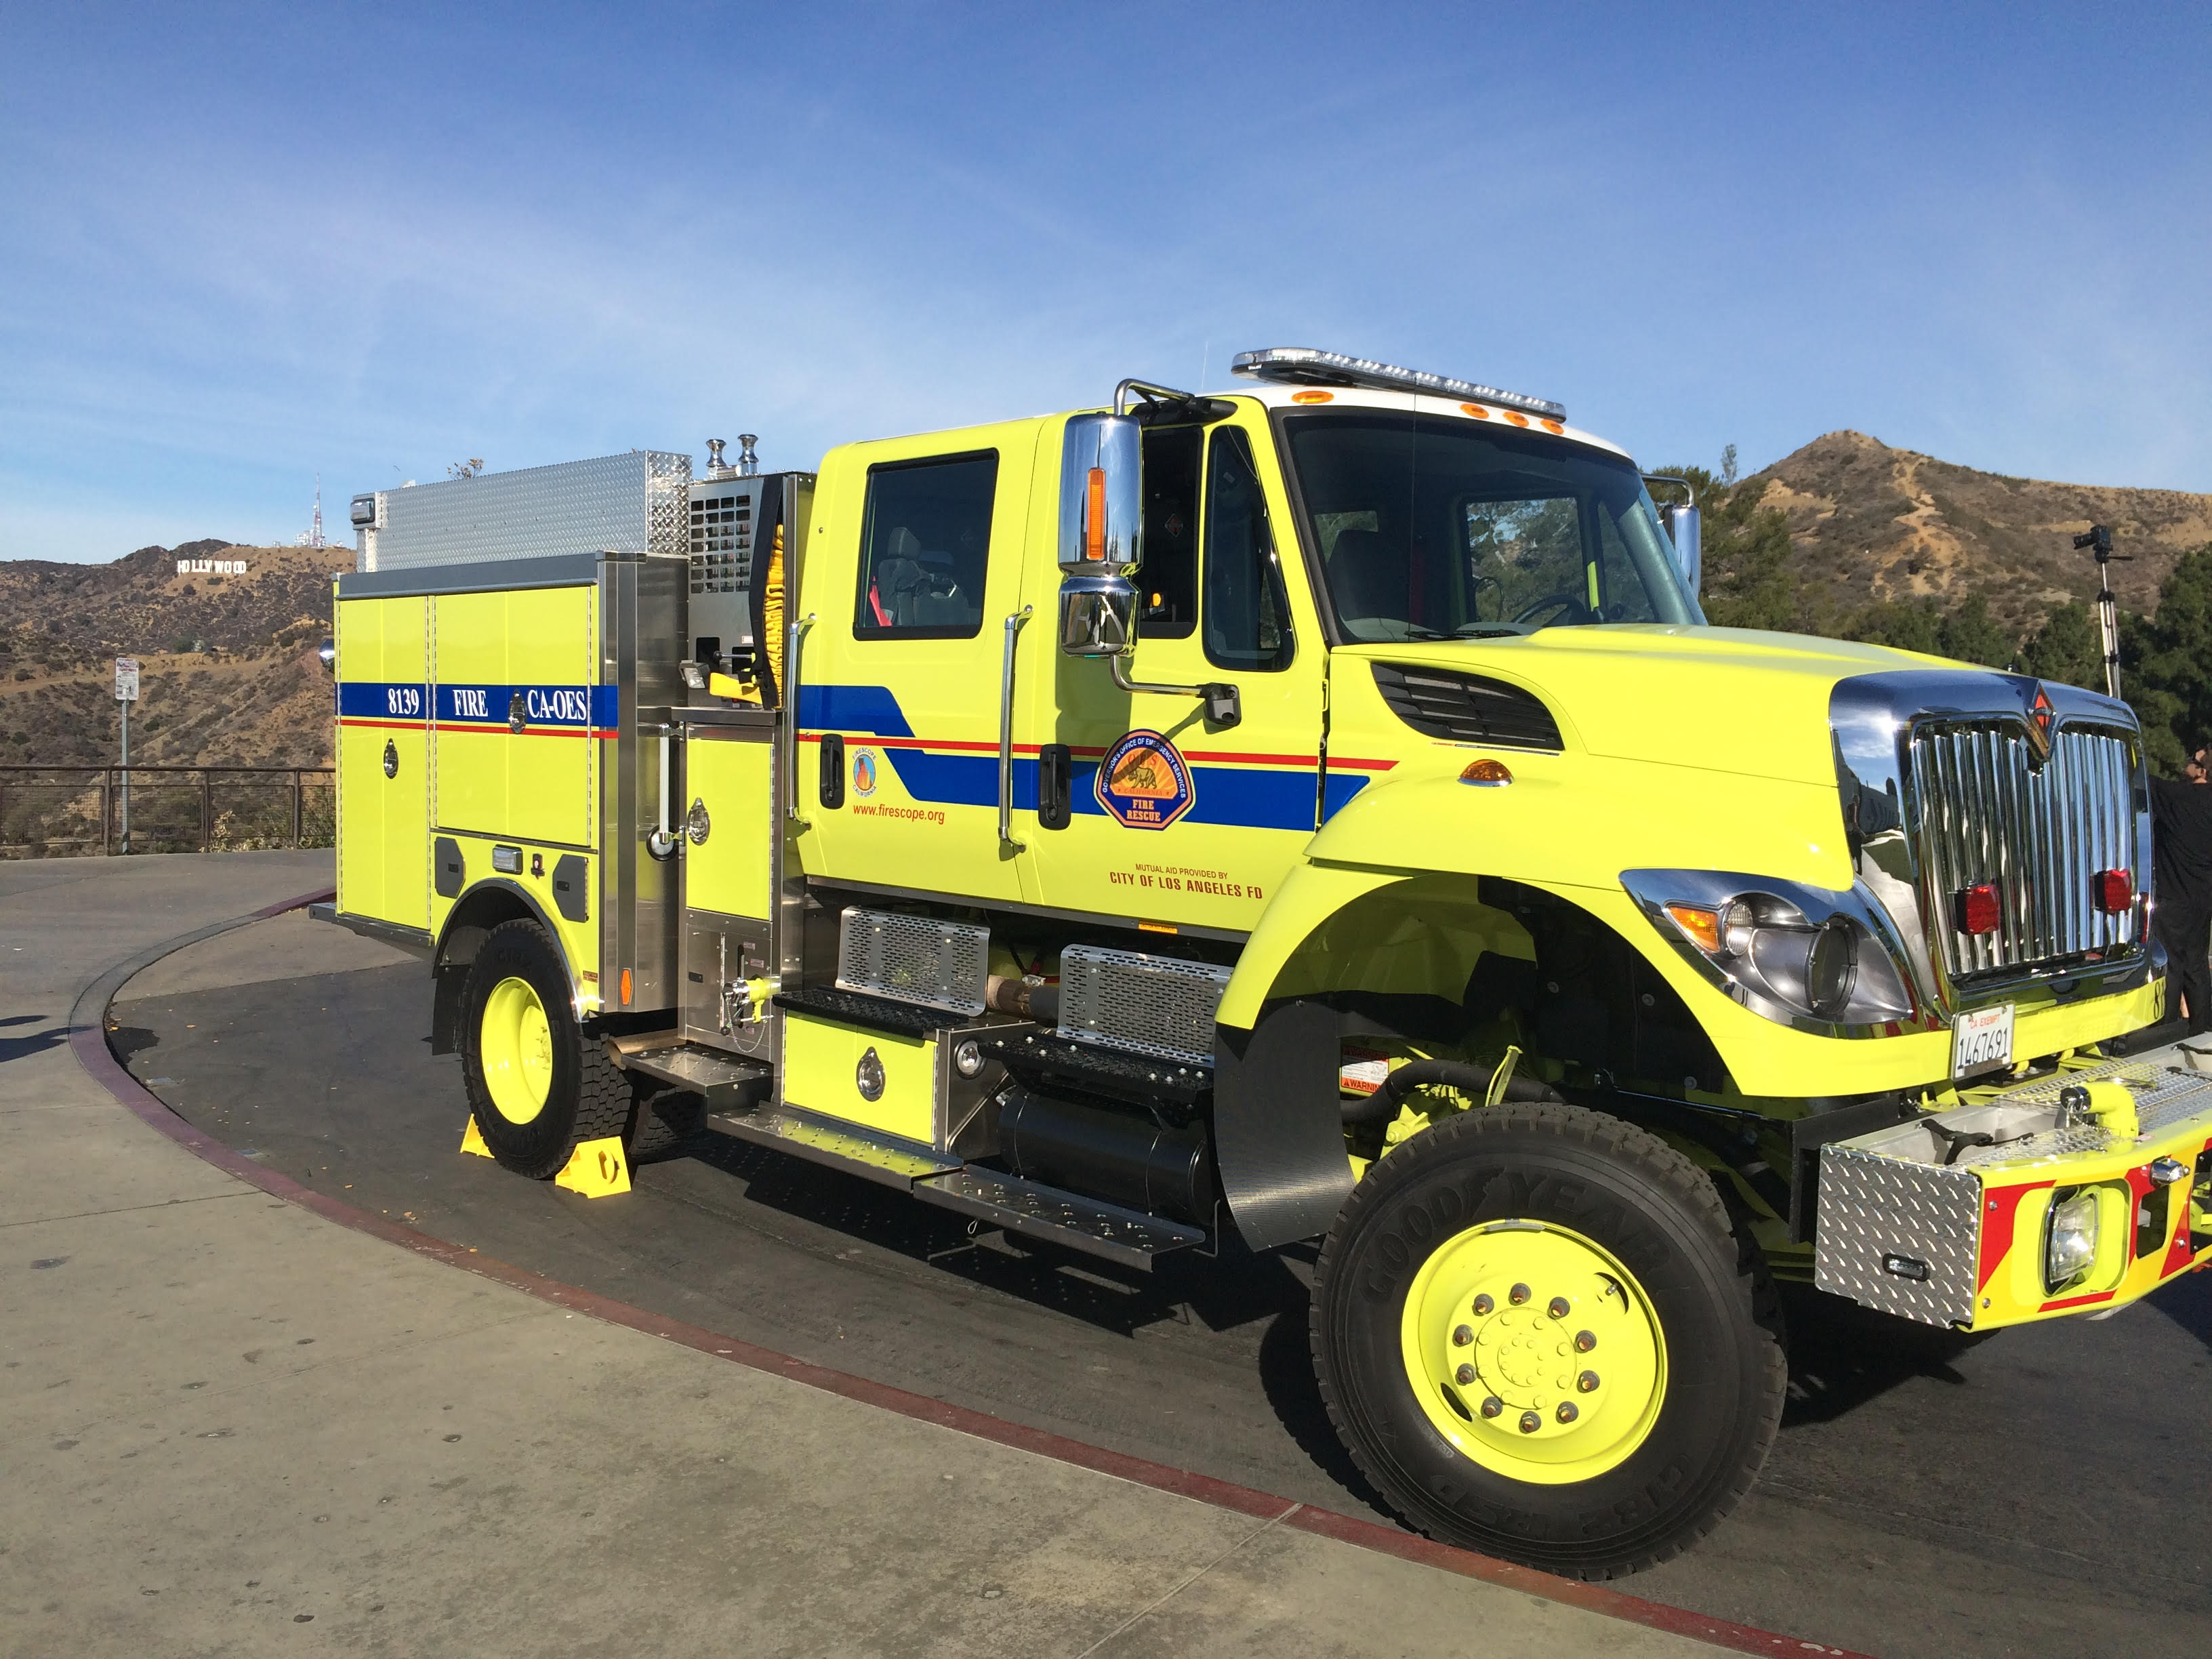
[{"x": 1434, "y": 528}]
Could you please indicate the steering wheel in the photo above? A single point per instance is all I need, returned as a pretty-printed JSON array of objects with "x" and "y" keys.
[{"x": 1566, "y": 599}]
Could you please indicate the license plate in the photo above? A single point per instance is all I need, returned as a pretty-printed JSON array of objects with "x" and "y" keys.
[{"x": 1981, "y": 1040}]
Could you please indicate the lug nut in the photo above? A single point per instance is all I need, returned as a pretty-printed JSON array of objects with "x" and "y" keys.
[
  {"x": 1483, "y": 1304},
  {"x": 1463, "y": 1375},
  {"x": 1585, "y": 1341},
  {"x": 1461, "y": 1335},
  {"x": 1492, "y": 1406},
  {"x": 1530, "y": 1422},
  {"x": 1567, "y": 1414},
  {"x": 1518, "y": 1294},
  {"x": 1557, "y": 1307},
  {"x": 1586, "y": 1382}
]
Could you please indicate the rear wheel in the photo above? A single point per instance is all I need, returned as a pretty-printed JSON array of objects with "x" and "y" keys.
[
  {"x": 1540, "y": 1338},
  {"x": 535, "y": 1086}
]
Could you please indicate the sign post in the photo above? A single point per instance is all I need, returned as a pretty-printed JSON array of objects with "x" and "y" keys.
[{"x": 126, "y": 693}]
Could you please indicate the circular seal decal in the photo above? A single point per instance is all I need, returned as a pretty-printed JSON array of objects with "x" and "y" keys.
[
  {"x": 864, "y": 773},
  {"x": 1143, "y": 782}
]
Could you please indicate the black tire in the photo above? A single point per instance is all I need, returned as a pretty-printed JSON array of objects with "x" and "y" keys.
[
  {"x": 1659, "y": 1217},
  {"x": 662, "y": 1118},
  {"x": 587, "y": 1098}
]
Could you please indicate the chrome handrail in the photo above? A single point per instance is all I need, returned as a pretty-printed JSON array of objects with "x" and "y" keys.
[
  {"x": 794, "y": 642},
  {"x": 1007, "y": 731}
]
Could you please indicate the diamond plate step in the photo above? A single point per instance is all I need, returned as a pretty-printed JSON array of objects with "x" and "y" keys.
[
  {"x": 722, "y": 1079},
  {"x": 882, "y": 1158},
  {"x": 1081, "y": 1224}
]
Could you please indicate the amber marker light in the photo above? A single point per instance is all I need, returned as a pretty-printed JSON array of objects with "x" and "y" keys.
[
  {"x": 1517, "y": 417},
  {"x": 1489, "y": 774},
  {"x": 1702, "y": 925},
  {"x": 1475, "y": 409},
  {"x": 1313, "y": 395},
  {"x": 1094, "y": 522},
  {"x": 625, "y": 988},
  {"x": 1554, "y": 426}
]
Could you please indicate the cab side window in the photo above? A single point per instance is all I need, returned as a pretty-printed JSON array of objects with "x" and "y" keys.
[
  {"x": 1168, "y": 584},
  {"x": 1247, "y": 614},
  {"x": 925, "y": 545}
]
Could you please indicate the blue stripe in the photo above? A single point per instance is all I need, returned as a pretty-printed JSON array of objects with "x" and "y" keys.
[
  {"x": 1234, "y": 797},
  {"x": 573, "y": 707}
]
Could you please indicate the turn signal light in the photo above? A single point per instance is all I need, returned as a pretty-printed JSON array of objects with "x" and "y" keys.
[
  {"x": 1492, "y": 773},
  {"x": 2116, "y": 890},
  {"x": 1978, "y": 910},
  {"x": 1703, "y": 926},
  {"x": 1094, "y": 522}
]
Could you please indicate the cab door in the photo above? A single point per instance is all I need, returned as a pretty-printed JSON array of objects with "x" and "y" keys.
[
  {"x": 915, "y": 567},
  {"x": 1172, "y": 819}
]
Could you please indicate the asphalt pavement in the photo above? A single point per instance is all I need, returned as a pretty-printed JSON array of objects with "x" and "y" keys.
[
  {"x": 2038, "y": 1491},
  {"x": 239, "y": 1415}
]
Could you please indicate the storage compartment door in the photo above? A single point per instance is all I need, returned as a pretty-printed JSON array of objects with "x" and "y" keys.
[
  {"x": 732, "y": 781},
  {"x": 517, "y": 711},
  {"x": 383, "y": 755}
]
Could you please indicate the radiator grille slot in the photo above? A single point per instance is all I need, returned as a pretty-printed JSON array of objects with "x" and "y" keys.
[
  {"x": 1131, "y": 1000},
  {"x": 940, "y": 964},
  {"x": 1439, "y": 703},
  {"x": 1983, "y": 814}
]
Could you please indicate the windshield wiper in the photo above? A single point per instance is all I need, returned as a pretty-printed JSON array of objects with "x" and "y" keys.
[{"x": 1486, "y": 631}]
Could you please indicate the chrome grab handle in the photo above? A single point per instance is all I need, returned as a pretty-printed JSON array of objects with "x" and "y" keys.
[
  {"x": 794, "y": 640},
  {"x": 1007, "y": 731},
  {"x": 661, "y": 841}
]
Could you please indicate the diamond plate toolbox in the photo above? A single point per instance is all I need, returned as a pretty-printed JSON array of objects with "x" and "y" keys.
[
  {"x": 1899, "y": 1236},
  {"x": 633, "y": 503}
]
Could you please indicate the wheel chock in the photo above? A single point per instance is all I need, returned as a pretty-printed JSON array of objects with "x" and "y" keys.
[
  {"x": 471, "y": 1141},
  {"x": 597, "y": 1169}
]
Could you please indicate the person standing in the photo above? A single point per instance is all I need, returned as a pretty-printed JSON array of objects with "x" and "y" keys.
[{"x": 2181, "y": 865}]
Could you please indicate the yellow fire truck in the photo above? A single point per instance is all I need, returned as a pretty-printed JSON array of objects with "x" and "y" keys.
[{"x": 1318, "y": 811}]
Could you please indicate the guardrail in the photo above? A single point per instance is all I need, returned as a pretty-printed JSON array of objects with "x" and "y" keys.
[{"x": 65, "y": 811}]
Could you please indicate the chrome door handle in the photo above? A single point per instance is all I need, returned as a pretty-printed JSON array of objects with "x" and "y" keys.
[
  {"x": 794, "y": 640},
  {"x": 1007, "y": 731}
]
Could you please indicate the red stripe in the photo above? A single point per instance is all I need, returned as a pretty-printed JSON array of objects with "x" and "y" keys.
[
  {"x": 89, "y": 1042},
  {"x": 2079, "y": 1301},
  {"x": 1216, "y": 756},
  {"x": 401, "y": 725}
]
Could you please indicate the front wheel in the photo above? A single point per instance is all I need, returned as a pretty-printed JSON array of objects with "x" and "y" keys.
[
  {"x": 1539, "y": 1337},
  {"x": 535, "y": 1086}
]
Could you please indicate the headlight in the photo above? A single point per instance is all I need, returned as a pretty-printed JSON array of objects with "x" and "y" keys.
[
  {"x": 1799, "y": 954},
  {"x": 2071, "y": 1247}
]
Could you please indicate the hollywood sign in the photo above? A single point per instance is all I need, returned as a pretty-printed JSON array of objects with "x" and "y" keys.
[{"x": 210, "y": 566}]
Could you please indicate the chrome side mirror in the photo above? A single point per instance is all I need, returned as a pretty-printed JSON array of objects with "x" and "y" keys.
[
  {"x": 1097, "y": 614},
  {"x": 1684, "y": 528},
  {"x": 1100, "y": 534},
  {"x": 327, "y": 653}
]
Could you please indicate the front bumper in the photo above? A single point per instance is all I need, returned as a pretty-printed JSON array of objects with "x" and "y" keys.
[{"x": 1963, "y": 1243}]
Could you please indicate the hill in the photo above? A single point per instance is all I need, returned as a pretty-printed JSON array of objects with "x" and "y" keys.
[
  {"x": 1871, "y": 524},
  {"x": 228, "y": 669}
]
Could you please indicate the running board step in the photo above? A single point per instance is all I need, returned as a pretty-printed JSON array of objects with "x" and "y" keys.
[
  {"x": 1082, "y": 1224},
  {"x": 882, "y": 1159},
  {"x": 722, "y": 1079}
]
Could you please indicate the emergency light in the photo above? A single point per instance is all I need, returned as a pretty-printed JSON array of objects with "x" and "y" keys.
[{"x": 1304, "y": 366}]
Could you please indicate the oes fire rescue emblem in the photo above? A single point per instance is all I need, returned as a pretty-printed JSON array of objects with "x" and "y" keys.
[{"x": 1143, "y": 782}]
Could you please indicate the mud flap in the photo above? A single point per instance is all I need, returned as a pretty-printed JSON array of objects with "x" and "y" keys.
[{"x": 1278, "y": 1128}]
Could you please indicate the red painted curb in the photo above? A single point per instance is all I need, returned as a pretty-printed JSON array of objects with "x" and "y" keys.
[{"x": 89, "y": 1041}]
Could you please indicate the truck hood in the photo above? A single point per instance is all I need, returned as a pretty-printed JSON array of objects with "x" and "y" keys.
[{"x": 1719, "y": 699}]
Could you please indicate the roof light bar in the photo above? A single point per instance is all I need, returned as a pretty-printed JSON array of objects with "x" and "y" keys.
[{"x": 1302, "y": 365}]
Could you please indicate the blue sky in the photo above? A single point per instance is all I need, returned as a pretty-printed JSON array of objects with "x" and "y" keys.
[{"x": 241, "y": 246}]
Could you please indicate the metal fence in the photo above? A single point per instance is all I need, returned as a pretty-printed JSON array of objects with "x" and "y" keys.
[{"x": 65, "y": 811}]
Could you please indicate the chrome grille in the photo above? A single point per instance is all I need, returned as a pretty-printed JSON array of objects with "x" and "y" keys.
[
  {"x": 1132, "y": 999},
  {"x": 1982, "y": 813}
]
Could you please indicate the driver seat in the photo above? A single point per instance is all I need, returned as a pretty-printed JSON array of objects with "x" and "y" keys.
[{"x": 1370, "y": 579}]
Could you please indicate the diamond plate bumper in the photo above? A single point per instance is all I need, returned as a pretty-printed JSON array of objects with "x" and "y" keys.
[{"x": 1925, "y": 1221}]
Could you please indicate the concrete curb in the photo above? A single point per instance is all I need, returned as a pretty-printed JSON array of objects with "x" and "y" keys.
[{"x": 89, "y": 1042}]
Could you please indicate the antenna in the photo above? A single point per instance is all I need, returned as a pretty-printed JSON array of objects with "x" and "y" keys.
[{"x": 315, "y": 532}]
